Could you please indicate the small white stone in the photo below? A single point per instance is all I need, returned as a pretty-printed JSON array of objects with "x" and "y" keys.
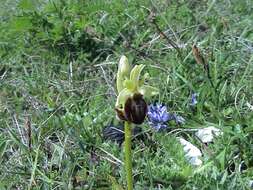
[
  {"x": 206, "y": 135},
  {"x": 195, "y": 161},
  {"x": 192, "y": 153}
]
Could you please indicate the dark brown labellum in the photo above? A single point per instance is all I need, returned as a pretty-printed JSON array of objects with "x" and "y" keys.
[{"x": 135, "y": 109}]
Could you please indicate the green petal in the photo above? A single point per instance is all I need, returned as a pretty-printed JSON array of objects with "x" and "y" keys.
[
  {"x": 122, "y": 97},
  {"x": 129, "y": 85},
  {"x": 148, "y": 91},
  {"x": 135, "y": 74}
]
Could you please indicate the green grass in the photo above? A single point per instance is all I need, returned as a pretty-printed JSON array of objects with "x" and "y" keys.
[{"x": 43, "y": 41}]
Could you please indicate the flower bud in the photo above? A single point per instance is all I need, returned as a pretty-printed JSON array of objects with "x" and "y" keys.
[{"x": 135, "y": 109}]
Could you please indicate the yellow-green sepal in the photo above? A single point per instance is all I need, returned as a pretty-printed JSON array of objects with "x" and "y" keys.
[{"x": 123, "y": 72}]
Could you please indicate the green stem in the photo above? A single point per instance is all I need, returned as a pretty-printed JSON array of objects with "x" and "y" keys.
[{"x": 128, "y": 156}]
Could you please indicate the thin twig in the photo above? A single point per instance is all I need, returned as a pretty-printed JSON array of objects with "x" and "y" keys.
[
  {"x": 168, "y": 35},
  {"x": 112, "y": 156},
  {"x": 173, "y": 44},
  {"x": 140, "y": 52}
]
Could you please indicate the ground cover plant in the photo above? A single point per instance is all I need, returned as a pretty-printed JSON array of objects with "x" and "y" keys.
[{"x": 59, "y": 61}]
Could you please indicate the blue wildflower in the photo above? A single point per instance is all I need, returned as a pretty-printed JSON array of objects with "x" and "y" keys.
[
  {"x": 194, "y": 99},
  {"x": 158, "y": 117}
]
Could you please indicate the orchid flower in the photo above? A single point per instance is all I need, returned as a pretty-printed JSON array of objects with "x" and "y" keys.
[{"x": 131, "y": 89}]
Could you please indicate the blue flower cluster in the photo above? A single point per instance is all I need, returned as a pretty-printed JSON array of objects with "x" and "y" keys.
[{"x": 158, "y": 117}]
